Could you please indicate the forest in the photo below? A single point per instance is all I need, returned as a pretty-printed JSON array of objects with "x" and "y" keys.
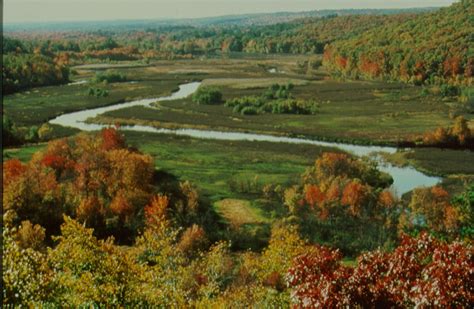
[
  {"x": 321, "y": 159},
  {"x": 435, "y": 48}
]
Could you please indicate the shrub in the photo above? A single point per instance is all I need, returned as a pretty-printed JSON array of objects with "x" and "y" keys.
[
  {"x": 97, "y": 92},
  {"x": 249, "y": 110},
  {"x": 207, "y": 95},
  {"x": 449, "y": 90},
  {"x": 109, "y": 77}
]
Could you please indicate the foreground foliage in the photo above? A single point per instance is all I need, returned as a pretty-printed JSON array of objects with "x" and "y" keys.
[
  {"x": 420, "y": 272},
  {"x": 87, "y": 224},
  {"x": 96, "y": 179}
]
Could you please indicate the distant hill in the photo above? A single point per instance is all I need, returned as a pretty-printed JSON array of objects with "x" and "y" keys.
[
  {"x": 310, "y": 35},
  {"x": 229, "y": 20},
  {"x": 433, "y": 48}
]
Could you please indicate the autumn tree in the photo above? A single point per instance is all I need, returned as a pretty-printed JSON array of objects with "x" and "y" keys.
[
  {"x": 91, "y": 271},
  {"x": 420, "y": 272},
  {"x": 431, "y": 209},
  {"x": 26, "y": 275}
]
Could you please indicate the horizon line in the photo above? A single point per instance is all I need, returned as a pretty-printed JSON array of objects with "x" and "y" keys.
[{"x": 211, "y": 16}]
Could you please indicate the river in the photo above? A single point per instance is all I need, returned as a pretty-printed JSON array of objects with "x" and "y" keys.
[{"x": 404, "y": 178}]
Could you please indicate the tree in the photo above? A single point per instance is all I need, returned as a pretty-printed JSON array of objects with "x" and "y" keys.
[
  {"x": 317, "y": 279},
  {"x": 285, "y": 244},
  {"x": 355, "y": 196},
  {"x": 420, "y": 272},
  {"x": 430, "y": 208},
  {"x": 91, "y": 271},
  {"x": 9, "y": 132},
  {"x": 461, "y": 130},
  {"x": 26, "y": 278}
]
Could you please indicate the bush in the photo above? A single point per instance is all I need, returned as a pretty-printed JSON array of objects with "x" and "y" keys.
[
  {"x": 45, "y": 132},
  {"x": 449, "y": 91},
  {"x": 279, "y": 91},
  {"x": 249, "y": 110},
  {"x": 109, "y": 77},
  {"x": 276, "y": 100},
  {"x": 32, "y": 134},
  {"x": 97, "y": 92},
  {"x": 207, "y": 95}
]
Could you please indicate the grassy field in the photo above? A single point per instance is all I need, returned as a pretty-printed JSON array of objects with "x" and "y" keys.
[
  {"x": 23, "y": 153},
  {"x": 435, "y": 161},
  {"x": 216, "y": 166},
  {"x": 357, "y": 111},
  {"x": 37, "y": 105}
]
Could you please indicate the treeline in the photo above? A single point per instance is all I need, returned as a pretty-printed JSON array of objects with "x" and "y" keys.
[
  {"x": 62, "y": 208},
  {"x": 24, "y": 68},
  {"x": 432, "y": 48},
  {"x": 297, "y": 37}
]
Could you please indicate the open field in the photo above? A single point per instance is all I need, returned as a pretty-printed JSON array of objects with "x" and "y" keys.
[
  {"x": 354, "y": 111},
  {"x": 38, "y": 105},
  {"x": 239, "y": 212},
  {"x": 212, "y": 165},
  {"x": 441, "y": 162},
  {"x": 23, "y": 153},
  {"x": 396, "y": 112}
]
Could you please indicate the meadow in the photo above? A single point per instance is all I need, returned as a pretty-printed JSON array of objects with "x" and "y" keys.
[
  {"x": 368, "y": 112},
  {"x": 397, "y": 113}
]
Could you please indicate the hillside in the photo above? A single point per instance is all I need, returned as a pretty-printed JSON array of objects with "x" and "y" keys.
[
  {"x": 308, "y": 35},
  {"x": 429, "y": 48}
]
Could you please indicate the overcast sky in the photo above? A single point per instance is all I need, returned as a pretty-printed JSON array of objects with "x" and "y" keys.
[{"x": 75, "y": 10}]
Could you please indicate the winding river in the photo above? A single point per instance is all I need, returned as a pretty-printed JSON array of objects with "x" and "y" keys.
[{"x": 405, "y": 178}]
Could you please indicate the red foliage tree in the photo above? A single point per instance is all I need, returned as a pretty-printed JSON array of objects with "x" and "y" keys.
[
  {"x": 318, "y": 279},
  {"x": 157, "y": 210},
  {"x": 11, "y": 170},
  {"x": 452, "y": 66},
  {"x": 421, "y": 272},
  {"x": 112, "y": 139},
  {"x": 53, "y": 161},
  {"x": 313, "y": 195},
  {"x": 354, "y": 195}
]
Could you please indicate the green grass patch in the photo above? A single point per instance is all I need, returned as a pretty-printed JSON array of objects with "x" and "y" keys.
[{"x": 23, "y": 153}]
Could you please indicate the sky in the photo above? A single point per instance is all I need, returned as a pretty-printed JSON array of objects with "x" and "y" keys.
[{"x": 83, "y": 10}]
